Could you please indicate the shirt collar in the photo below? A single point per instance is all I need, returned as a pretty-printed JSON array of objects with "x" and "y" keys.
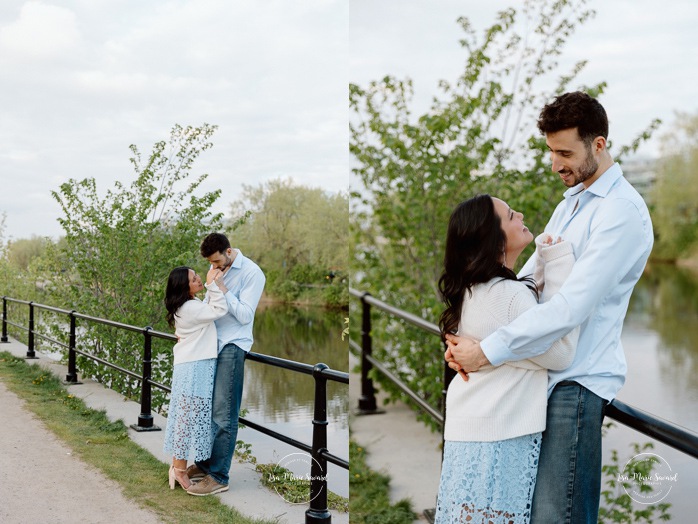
[
  {"x": 237, "y": 263},
  {"x": 602, "y": 185}
]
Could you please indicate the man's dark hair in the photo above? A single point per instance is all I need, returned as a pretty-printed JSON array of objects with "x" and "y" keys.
[
  {"x": 578, "y": 110},
  {"x": 214, "y": 243}
]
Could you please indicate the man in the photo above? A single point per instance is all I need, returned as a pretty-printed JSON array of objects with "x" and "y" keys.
[
  {"x": 610, "y": 229},
  {"x": 245, "y": 282}
]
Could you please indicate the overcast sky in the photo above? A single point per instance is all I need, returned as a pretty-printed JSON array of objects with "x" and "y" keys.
[
  {"x": 647, "y": 52},
  {"x": 81, "y": 80}
]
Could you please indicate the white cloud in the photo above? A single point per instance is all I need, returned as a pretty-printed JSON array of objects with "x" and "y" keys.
[
  {"x": 272, "y": 74},
  {"x": 41, "y": 32}
]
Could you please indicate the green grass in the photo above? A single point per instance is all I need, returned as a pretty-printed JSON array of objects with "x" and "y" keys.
[
  {"x": 369, "y": 502},
  {"x": 106, "y": 445},
  {"x": 294, "y": 489}
]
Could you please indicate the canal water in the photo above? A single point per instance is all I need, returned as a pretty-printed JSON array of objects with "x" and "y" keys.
[
  {"x": 660, "y": 338},
  {"x": 283, "y": 400}
]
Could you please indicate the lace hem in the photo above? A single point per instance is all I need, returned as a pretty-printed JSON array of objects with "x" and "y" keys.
[
  {"x": 488, "y": 482},
  {"x": 189, "y": 426}
]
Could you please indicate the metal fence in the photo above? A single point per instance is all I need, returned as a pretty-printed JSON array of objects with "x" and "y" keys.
[
  {"x": 646, "y": 423},
  {"x": 321, "y": 373},
  {"x": 641, "y": 421}
]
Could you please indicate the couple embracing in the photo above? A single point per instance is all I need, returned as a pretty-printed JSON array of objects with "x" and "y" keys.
[
  {"x": 539, "y": 354},
  {"x": 209, "y": 363}
]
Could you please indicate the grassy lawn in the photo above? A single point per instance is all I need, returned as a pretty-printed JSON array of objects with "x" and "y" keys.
[
  {"x": 369, "y": 502},
  {"x": 106, "y": 445}
]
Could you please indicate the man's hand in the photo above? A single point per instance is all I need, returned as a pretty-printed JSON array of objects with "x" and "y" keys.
[
  {"x": 455, "y": 366},
  {"x": 464, "y": 354}
]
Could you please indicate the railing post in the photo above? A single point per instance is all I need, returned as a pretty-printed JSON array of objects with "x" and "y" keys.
[
  {"x": 30, "y": 342},
  {"x": 4, "y": 319},
  {"x": 145, "y": 419},
  {"x": 72, "y": 376},
  {"x": 318, "y": 512},
  {"x": 367, "y": 400}
]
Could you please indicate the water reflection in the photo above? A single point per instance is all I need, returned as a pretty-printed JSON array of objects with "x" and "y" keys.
[
  {"x": 303, "y": 335},
  {"x": 283, "y": 400},
  {"x": 660, "y": 339},
  {"x": 666, "y": 302}
]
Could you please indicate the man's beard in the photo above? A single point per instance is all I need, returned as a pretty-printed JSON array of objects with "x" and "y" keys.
[{"x": 585, "y": 171}]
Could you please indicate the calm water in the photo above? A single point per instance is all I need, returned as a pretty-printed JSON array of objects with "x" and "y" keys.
[
  {"x": 660, "y": 337},
  {"x": 283, "y": 400}
]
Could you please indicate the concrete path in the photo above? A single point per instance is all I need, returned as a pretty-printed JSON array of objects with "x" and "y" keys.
[
  {"x": 40, "y": 480},
  {"x": 246, "y": 493},
  {"x": 399, "y": 446}
]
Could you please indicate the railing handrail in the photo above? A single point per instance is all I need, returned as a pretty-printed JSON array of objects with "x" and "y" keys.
[
  {"x": 317, "y": 512},
  {"x": 413, "y": 319},
  {"x": 646, "y": 423}
]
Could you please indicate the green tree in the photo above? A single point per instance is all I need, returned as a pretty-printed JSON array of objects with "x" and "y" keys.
[
  {"x": 18, "y": 276},
  {"x": 21, "y": 252},
  {"x": 298, "y": 234},
  {"x": 3, "y": 225},
  {"x": 119, "y": 249},
  {"x": 675, "y": 194},
  {"x": 479, "y": 136}
]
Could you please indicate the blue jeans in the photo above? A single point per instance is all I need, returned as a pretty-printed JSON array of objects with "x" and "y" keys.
[
  {"x": 568, "y": 486},
  {"x": 227, "y": 395}
]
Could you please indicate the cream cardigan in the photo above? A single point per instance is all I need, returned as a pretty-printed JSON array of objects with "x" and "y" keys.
[
  {"x": 195, "y": 328},
  {"x": 510, "y": 400}
]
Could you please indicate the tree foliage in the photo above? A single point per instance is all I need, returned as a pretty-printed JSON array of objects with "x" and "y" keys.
[
  {"x": 3, "y": 241},
  {"x": 675, "y": 194},
  {"x": 21, "y": 252},
  {"x": 478, "y": 137},
  {"x": 298, "y": 234},
  {"x": 119, "y": 248}
]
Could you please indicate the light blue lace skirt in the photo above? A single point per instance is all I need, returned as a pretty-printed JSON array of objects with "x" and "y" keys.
[
  {"x": 488, "y": 482},
  {"x": 189, "y": 416}
]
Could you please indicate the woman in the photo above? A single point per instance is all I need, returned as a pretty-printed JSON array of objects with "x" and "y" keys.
[
  {"x": 189, "y": 415},
  {"x": 495, "y": 417}
]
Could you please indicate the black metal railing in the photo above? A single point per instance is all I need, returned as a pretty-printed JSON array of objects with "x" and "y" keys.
[
  {"x": 321, "y": 373},
  {"x": 643, "y": 422}
]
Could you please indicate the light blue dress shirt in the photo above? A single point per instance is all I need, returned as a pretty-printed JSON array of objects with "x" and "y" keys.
[
  {"x": 245, "y": 282},
  {"x": 610, "y": 229}
]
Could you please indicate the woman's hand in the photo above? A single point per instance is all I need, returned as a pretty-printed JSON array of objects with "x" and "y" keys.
[
  {"x": 549, "y": 241},
  {"x": 216, "y": 275},
  {"x": 212, "y": 275},
  {"x": 219, "y": 282}
]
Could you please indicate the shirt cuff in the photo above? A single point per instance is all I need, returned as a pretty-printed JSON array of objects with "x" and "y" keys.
[
  {"x": 212, "y": 286},
  {"x": 495, "y": 349}
]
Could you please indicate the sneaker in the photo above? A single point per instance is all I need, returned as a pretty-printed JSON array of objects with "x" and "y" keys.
[
  {"x": 206, "y": 486},
  {"x": 195, "y": 473}
]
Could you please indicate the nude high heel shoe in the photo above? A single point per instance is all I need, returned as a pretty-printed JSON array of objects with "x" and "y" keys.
[{"x": 173, "y": 478}]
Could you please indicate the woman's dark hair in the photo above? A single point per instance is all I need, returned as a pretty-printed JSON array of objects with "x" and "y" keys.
[
  {"x": 475, "y": 242},
  {"x": 572, "y": 110},
  {"x": 177, "y": 292},
  {"x": 214, "y": 243}
]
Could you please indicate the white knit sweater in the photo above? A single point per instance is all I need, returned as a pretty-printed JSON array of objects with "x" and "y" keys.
[
  {"x": 508, "y": 401},
  {"x": 195, "y": 328}
]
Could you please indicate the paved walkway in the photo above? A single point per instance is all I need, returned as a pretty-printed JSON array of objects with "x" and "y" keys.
[
  {"x": 399, "y": 446},
  {"x": 40, "y": 478},
  {"x": 246, "y": 493}
]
